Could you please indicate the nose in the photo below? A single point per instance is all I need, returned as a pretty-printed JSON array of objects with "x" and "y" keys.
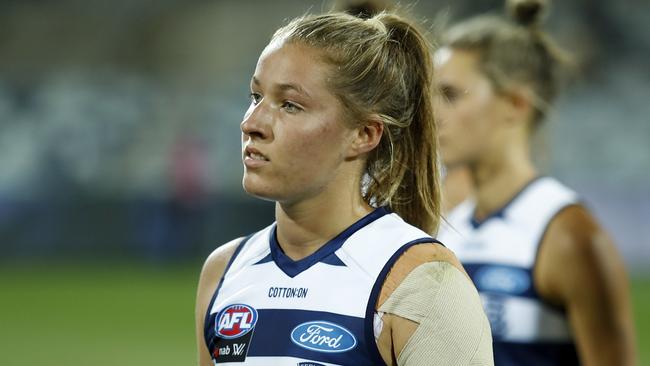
[{"x": 255, "y": 124}]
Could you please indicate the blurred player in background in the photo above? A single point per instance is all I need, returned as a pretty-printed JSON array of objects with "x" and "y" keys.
[
  {"x": 340, "y": 133},
  {"x": 552, "y": 283},
  {"x": 456, "y": 187}
]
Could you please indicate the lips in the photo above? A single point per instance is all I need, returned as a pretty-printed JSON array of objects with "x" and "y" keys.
[
  {"x": 256, "y": 156},
  {"x": 253, "y": 157}
]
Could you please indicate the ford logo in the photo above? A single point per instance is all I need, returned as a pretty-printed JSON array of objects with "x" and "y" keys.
[
  {"x": 502, "y": 279},
  {"x": 322, "y": 336}
]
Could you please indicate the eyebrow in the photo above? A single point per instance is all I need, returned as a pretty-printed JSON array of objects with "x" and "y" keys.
[{"x": 285, "y": 87}]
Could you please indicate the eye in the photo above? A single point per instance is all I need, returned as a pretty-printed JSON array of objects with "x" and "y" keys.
[
  {"x": 291, "y": 107},
  {"x": 450, "y": 94},
  {"x": 255, "y": 97}
]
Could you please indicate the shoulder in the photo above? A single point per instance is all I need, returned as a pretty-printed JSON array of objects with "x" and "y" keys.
[
  {"x": 572, "y": 234},
  {"x": 428, "y": 292},
  {"x": 216, "y": 263},
  {"x": 572, "y": 222},
  {"x": 412, "y": 258},
  {"x": 211, "y": 273},
  {"x": 213, "y": 269},
  {"x": 574, "y": 248}
]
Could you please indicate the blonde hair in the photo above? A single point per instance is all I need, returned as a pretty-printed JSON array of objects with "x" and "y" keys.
[
  {"x": 382, "y": 66},
  {"x": 514, "y": 51}
]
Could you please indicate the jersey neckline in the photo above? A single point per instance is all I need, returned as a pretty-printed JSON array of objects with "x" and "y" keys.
[
  {"x": 500, "y": 212},
  {"x": 293, "y": 268}
]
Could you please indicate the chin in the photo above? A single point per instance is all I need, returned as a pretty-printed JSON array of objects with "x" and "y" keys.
[{"x": 258, "y": 189}]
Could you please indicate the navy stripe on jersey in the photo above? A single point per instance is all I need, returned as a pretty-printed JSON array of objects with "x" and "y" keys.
[
  {"x": 535, "y": 354},
  {"x": 272, "y": 336},
  {"x": 293, "y": 268},
  {"x": 374, "y": 296},
  {"x": 207, "y": 321},
  {"x": 331, "y": 259}
]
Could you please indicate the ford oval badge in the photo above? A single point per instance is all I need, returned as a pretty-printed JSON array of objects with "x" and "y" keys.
[{"x": 322, "y": 336}]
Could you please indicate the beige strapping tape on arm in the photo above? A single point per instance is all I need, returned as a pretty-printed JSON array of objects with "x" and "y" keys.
[{"x": 453, "y": 329}]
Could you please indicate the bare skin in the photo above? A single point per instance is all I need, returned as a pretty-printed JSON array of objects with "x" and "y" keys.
[
  {"x": 578, "y": 267},
  {"x": 211, "y": 274},
  {"x": 457, "y": 187}
]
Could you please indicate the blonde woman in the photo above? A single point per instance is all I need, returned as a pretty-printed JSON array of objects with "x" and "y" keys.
[
  {"x": 551, "y": 281},
  {"x": 340, "y": 134}
]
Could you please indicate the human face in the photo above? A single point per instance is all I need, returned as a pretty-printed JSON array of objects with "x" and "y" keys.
[
  {"x": 470, "y": 112},
  {"x": 294, "y": 138}
]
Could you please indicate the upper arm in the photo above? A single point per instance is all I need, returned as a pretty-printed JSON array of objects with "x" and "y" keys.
[
  {"x": 579, "y": 269},
  {"x": 453, "y": 300},
  {"x": 412, "y": 258},
  {"x": 211, "y": 273}
]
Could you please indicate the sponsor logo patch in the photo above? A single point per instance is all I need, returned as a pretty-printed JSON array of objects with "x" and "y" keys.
[
  {"x": 322, "y": 336},
  {"x": 502, "y": 279},
  {"x": 233, "y": 327},
  {"x": 235, "y": 320}
]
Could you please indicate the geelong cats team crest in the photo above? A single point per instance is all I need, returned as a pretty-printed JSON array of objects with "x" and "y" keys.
[{"x": 234, "y": 327}]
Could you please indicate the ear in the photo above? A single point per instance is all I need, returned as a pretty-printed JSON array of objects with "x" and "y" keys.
[
  {"x": 520, "y": 104},
  {"x": 367, "y": 137}
]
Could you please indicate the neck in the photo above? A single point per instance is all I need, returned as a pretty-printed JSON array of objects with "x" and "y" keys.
[
  {"x": 305, "y": 226},
  {"x": 496, "y": 182}
]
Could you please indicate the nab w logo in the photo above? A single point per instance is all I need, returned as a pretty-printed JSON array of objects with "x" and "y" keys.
[
  {"x": 235, "y": 320},
  {"x": 238, "y": 349}
]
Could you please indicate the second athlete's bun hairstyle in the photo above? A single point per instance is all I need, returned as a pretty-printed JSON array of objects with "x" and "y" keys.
[
  {"x": 513, "y": 50},
  {"x": 529, "y": 13}
]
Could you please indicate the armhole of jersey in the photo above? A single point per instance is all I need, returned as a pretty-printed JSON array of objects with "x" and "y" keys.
[
  {"x": 216, "y": 291},
  {"x": 374, "y": 295},
  {"x": 538, "y": 249}
]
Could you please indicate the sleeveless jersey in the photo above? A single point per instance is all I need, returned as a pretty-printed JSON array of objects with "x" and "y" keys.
[
  {"x": 271, "y": 310},
  {"x": 499, "y": 254}
]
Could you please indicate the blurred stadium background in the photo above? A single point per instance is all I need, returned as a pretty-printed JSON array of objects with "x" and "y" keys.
[{"x": 120, "y": 167}]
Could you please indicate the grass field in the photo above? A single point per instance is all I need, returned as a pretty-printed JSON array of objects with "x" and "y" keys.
[{"x": 122, "y": 316}]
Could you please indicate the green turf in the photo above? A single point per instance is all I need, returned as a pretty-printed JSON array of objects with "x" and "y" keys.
[
  {"x": 641, "y": 303},
  {"x": 121, "y": 315},
  {"x": 109, "y": 316}
]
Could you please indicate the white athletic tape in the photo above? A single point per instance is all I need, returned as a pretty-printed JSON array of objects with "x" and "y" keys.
[{"x": 453, "y": 329}]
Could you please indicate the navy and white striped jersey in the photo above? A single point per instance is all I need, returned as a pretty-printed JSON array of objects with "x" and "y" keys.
[
  {"x": 272, "y": 310},
  {"x": 499, "y": 254}
]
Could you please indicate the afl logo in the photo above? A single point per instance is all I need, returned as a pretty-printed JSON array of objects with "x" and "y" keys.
[
  {"x": 322, "y": 336},
  {"x": 235, "y": 320}
]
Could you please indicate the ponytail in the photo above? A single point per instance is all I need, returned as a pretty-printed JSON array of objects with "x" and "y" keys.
[
  {"x": 405, "y": 170},
  {"x": 384, "y": 68}
]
